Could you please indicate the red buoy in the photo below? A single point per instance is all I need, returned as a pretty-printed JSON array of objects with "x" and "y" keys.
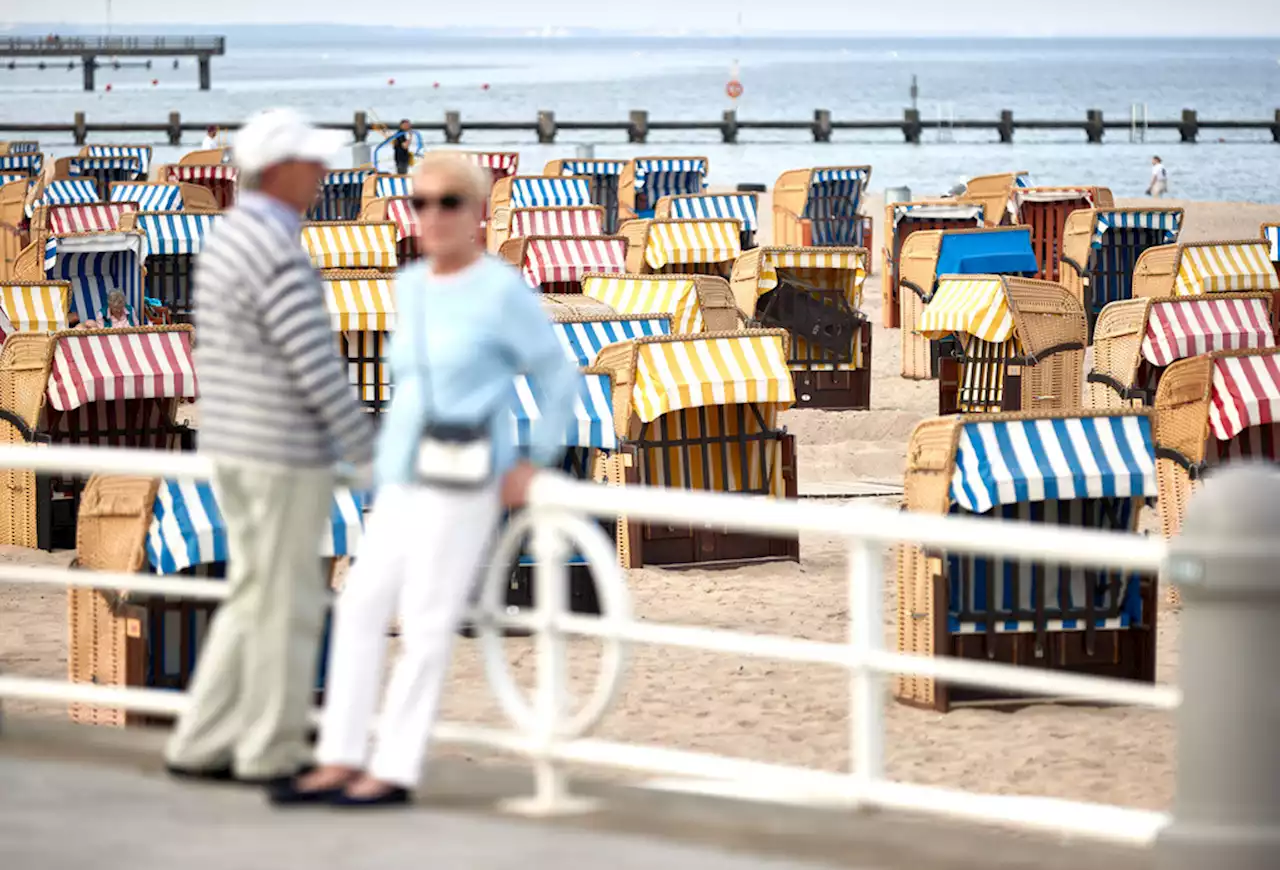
[
  {"x": 733, "y": 89},
  {"x": 435, "y": 84},
  {"x": 108, "y": 87},
  {"x": 485, "y": 86},
  {"x": 391, "y": 81},
  {"x": 155, "y": 82}
]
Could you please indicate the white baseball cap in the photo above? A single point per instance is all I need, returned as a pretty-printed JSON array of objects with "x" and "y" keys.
[{"x": 278, "y": 135}]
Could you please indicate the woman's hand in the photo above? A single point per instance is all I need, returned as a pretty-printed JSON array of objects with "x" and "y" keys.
[{"x": 515, "y": 484}]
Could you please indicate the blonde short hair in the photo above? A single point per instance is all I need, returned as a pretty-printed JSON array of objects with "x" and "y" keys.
[
  {"x": 115, "y": 296},
  {"x": 473, "y": 180}
]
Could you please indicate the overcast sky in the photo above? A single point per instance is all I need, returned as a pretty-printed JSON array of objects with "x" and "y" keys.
[{"x": 994, "y": 17}]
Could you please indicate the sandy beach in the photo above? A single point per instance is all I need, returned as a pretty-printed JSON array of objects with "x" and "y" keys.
[{"x": 795, "y": 714}]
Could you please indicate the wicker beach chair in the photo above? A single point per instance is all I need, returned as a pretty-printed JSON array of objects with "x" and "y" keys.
[
  {"x": 575, "y": 221},
  {"x": 1020, "y": 345},
  {"x": 901, "y": 219},
  {"x": 709, "y": 424},
  {"x": 714, "y": 206},
  {"x": 163, "y": 527},
  {"x": 815, "y": 294},
  {"x": 105, "y": 171},
  {"x": 821, "y": 207},
  {"x": 556, "y": 264},
  {"x": 381, "y": 186},
  {"x": 994, "y": 192},
  {"x": 399, "y": 210},
  {"x": 927, "y": 254},
  {"x": 13, "y": 221},
  {"x": 602, "y": 177},
  {"x": 1198, "y": 268},
  {"x": 208, "y": 169},
  {"x": 93, "y": 264},
  {"x": 34, "y": 306},
  {"x": 682, "y": 247},
  {"x": 19, "y": 146},
  {"x": 341, "y": 195},
  {"x": 694, "y": 303},
  {"x": 174, "y": 238},
  {"x": 1026, "y": 468},
  {"x": 533, "y": 192},
  {"x": 645, "y": 180},
  {"x": 1271, "y": 235},
  {"x": 1045, "y": 211},
  {"x": 1101, "y": 247},
  {"x": 351, "y": 245},
  {"x": 362, "y": 311}
]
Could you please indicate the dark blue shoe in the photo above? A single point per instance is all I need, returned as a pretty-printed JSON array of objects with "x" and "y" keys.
[
  {"x": 392, "y": 797},
  {"x": 287, "y": 794}
]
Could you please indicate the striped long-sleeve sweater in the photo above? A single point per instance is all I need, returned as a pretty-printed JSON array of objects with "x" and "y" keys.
[{"x": 273, "y": 387}]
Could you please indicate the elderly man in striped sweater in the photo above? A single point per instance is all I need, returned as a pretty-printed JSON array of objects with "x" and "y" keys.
[{"x": 277, "y": 413}]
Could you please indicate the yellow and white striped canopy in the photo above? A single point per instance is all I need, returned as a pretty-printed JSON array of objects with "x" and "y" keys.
[
  {"x": 844, "y": 261},
  {"x": 1236, "y": 267},
  {"x": 361, "y": 304},
  {"x": 687, "y": 241},
  {"x": 35, "y": 307},
  {"x": 351, "y": 245},
  {"x": 974, "y": 306},
  {"x": 697, "y": 372},
  {"x": 660, "y": 294}
]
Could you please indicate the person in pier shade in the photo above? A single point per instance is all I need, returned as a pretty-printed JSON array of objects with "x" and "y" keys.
[
  {"x": 467, "y": 325},
  {"x": 403, "y": 147}
]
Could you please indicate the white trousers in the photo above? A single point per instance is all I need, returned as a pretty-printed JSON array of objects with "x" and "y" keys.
[{"x": 419, "y": 557}]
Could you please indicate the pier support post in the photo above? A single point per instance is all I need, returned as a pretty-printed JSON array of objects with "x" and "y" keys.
[
  {"x": 88, "y": 63},
  {"x": 453, "y": 127},
  {"x": 729, "y": 128},
  {"x": 360, "y": 126},
  {"x": 1226, "y": 810},
  {"x": 175, "y": 128},
  {"x": 821, "y": 125},
  {"x": 639, "y": 130},
  {"x": 1006, "y": 127},
  {"x": 1093, "y": 126},
  {"x": 1275, "y": 128},
  {"x": 81, "y": 131},
  {"x": 546, "y": 127},
  {"x": 911, "y": 126},
  {"x": 204, "y": 72},
  {"x": 1190, "y": 125}
]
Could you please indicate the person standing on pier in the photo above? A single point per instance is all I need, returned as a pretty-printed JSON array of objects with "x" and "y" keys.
[
  {"x": 1159, "y": 185},
  {"x": 210, "y": 138},
  {"x": 277, "y": 411},
  {"x": 402, "y": 147}
]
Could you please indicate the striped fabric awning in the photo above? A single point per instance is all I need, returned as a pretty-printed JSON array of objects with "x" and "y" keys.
[
  {"x": 66, "y": 191},
  {"x": 344, "y": 177},
  {"x": 172, "y": 234},
  {"x": 187, "y": 527},
  {"x": 197, "y": 174},
  {"x": 95, "y": 264},
  {"x": 583, "y": 341},
  {"x": 361, "y": 304},
  {"x": 499, "y": 162},
  {"x": 938, "y": 211},
  {"x": 673, "y": 295},
  {"x": 545, "y": 192},
  {"x": 976, "y": 307},
  {"x": 1177, "y": 330},
  {"x": 1239, "y": 267},
  {"x": 34, "y": 307},
  {"x": 556, "y": 222},
  {"x": 1022, "y": 195},
  {"x": 592, "y": 425},
  {"x": 692, "y": 242},
  {"x": 105, "y": 217},
  {"x": 835, "y": 192},
  {"x": 351, "y": 245},
  {"x": 593, "y": 167},
  {"x": 393, "y": 185},
  {"x": 1013, "y": 461},
  {"x": 662, "y": 177},
  {"x": 28, "y": 146},
  {"x": 121, "y": 364},
  {"x": 567, "y": 260},
  {"x": 149, "y": 197},
  {"x": 844, "y": 261},
  {"x": 1271, "y": 233},
  {"x": 130, "y": 165},
  {"x": 31, "y": 164},
  {"x": 10, "y": 177},
  {"x": 6, "y": 328},
  {"x": 717, "y": 205},
  {"x": 698, "y": 372},
  {"x": 401, "y": 212},
  {"x": 1168, "y": 221},
  {"x": 1246, "y": 392},
  {"x": 141, "y": 152}
]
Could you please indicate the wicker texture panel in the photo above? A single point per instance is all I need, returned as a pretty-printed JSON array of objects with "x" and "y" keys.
[
  {"x": 918, "y": 264},
  {"x": 1181, "y": 423},
  {"x": 1117, "y": 351},
  {"x": 993, "y": 191},
  {"x": 790, "y": 193},
  {"x": 1156, "y": 270},
  {"x": 1048, "y": 317}
]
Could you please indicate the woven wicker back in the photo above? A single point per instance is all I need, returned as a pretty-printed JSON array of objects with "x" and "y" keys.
[
  {"x": 993, "y": 191},
  {"x": 720, "y": 312},
  {"x": 115, "y": 515},
  {"x": 790, "y": 193},
  {"x": 1181, "y": 423},
  {"x": 1049, "y": 321},
  {"x": 918, "y": 267},
  {"x": 1103, "y": 198},
  {"x": 1077, "y": 238},
  {"x": 13, "y": 198},
  {"x": 1156, "y": 270},
  {"x": 744, "y": 281},
  {"x": 564, "y": 307},
  {"x": 25, "y": 359},
  {"x": 619, "y": 360},
  {"x": 1117, "y": 349}
]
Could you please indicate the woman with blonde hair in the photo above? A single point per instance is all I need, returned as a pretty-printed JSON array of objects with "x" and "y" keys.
[{"x": 467, "y": 324}]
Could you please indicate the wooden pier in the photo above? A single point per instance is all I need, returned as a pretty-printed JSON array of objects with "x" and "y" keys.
[
  {"x": 87, "y": 49},
  {"x": 637, "y": 127}
]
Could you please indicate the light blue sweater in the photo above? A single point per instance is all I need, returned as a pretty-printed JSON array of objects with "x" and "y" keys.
[{"x": 469, "y": 334}]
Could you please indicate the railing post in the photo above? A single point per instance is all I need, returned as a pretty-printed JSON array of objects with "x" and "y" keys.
[
  {"x": 1190, "y": 125},
  {"x": 453, "y": 127},
  {"x": 729, "y": 127},
  {"x": 821, "y": 125},
  {"x": 1275, "y": 127},
  {"x": 638, "y": 131},
  {"x": 88, "y": 64},
  {"x": 175, "y": 128},
  {"x": 546, "y": 127},
  {"x": 866, "y": 688},
  {"x": 1227, "y": 807},
  {"x": 81, "y": 131},
  {"x": 205, "y": 77}
]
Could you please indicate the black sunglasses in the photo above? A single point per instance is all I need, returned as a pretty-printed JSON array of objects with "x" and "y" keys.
[{"x": 447, "y": 202}]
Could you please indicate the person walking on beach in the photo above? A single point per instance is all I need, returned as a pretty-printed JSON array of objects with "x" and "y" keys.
[
  {"x": 402, "y": 148},
  {"x": 467, "y": 323},
  {"x": 277, "y": 411},
  {"x": 1159, "y": 179}
]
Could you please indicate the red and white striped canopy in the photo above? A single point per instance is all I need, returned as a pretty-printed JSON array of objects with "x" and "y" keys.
[
  {"x": 567, "y": 260},
  {"x": 101, "y": 218},
  {"x": 556, "y": 222},
  {"x": 1177, "y": 330},
  {"x": 121, "y": 364},
  {"x": 1246, "y": 392},
  {"x": 501, "y": 162},
  {"x": 212, "y": 172},
  {"x": 402, "y": 212}
]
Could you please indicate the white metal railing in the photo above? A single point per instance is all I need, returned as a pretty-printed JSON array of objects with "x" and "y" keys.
[{"x": 551, "y": 735}]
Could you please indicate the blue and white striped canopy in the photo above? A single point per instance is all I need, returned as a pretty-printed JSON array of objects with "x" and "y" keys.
[
  {"x": 95, "y": 264},
  {"x": 123, "y": 167},
  {"x": 592, "y": 425},
  {"x": 174, "y": 233},
  {"x": 1169, "y": 221},
  {"x": 187, "y": 528},
  {"x": 149, "y": 197},
  {"x": 549, "y": 192},
  {"x": 393, "y": 185},
  {"x": 141, "y": 152},
  {"x": 960, "y": 211},
  {"x": 593, "y": 167},
  {"x": 1273, "y": 236},
  {"x": 1013, "y": 461},
  {"x": 717, "y": 205},
  {"x": 670, "y": 177},
  {"x": 66, "y": 191},
  {"x": 582, "y": 341},
  {"x": 339, "y": 177},
  {"x": 24, "y": 147},
  {"x": 9, "y": 177},
  {"x": 29, "y": 163}
]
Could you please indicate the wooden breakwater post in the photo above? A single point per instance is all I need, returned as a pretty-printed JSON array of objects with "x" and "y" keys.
[
  {"x": 1094, "y": 126},
  {"x": 729, "y": 127},
  {"x": 638, "y": 127},
  {"x": 911, "y": 126},
  {"x": 821, "y": 125},
  {"x": 1189, "y": 127},
  {"x": 453, "y": 127},
  {"x": 546, "y": 127},
  {"x": 1006, "y": 127}
]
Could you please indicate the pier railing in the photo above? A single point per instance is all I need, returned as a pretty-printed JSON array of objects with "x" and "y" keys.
[
  {"x": 37, "y": 46},
  {"x": 638, "y": 126}
]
